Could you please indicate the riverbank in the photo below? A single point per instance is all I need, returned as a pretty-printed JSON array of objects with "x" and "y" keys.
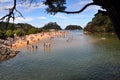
[{"x": 34, "y": 38}]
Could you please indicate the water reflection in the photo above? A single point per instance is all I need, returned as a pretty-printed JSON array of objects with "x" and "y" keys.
[
  {"x": 47, "y": 47},
  {"x": 33, "y": 48}
]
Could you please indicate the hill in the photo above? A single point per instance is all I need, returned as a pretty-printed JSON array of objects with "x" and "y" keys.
[
  {"x": 18, "y": 29},
  {"x": 52, "y": 25},
  {"x": 73, "y": 27},
  {"x": 101, "y": 23}
]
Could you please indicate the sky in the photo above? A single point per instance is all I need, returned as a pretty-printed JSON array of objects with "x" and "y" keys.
[{"x": 38, "y": 17}]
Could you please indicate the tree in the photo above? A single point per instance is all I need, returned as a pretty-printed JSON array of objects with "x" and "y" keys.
[
  {"x": 19, "y": 29},
  {"x": 25, "y": 27},
  {"x": 1, "y": 33},
  {"x": 9, "y": 33},
  {"x": 73, "y": 27},
  {"x": 19, "y": 32},
  {"x": 33, "y": 31},
  {"x": 52, "y": 25},
  {"x": 100, "y": 24},
  {"x": 112, "y": 8}
]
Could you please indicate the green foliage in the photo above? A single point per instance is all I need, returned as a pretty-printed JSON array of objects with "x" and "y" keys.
[
  {"x": 52, "y": 25},
  {"x": 3, "y": 26},
  {"x": 100, "y": 24},
  {"x": 25, "y": 27},
  {"x": 33, "y": 30},
  {"x": 9, "y": 33},
  {"x": 46, "y": 30},
  {"x": 19, "y": 32},
  {"x": 19, "y": 29},
  {"x": 73, "y": 27},
  {"x": 1, "y": 33},
  {"x": 55, "y": 5}
]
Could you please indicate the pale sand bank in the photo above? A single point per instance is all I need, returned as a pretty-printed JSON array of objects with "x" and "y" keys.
[{"x": 34, "y": 38}]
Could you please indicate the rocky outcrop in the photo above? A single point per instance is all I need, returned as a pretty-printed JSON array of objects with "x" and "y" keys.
[{"x": 6, "y": 53}]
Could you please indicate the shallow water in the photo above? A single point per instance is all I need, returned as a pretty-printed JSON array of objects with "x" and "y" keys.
[{"x": 75, "y": 56}]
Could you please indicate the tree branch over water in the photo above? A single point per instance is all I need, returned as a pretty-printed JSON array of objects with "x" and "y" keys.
[{"x": 79, "y": 11}]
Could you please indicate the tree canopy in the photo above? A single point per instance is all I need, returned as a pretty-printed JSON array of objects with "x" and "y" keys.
[
  {"x": 19, "y": 29},
  {"x": 9, "y": 33},
  {"x": 73, "y": 27},
  {"x": 100, "y": 24},
  {"x": 52, "y": 25}
]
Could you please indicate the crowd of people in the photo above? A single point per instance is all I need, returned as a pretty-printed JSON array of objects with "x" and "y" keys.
[{"x": 34, "y": 38}]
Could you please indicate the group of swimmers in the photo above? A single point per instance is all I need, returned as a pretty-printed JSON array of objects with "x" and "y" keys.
[
  {"x": 32, "y": 46},
  {"x": 47, "y": 44},
  {"x": 47, "y": 47}
]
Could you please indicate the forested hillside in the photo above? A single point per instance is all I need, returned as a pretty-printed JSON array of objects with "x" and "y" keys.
[
  {"x": 18, "y": 29},
  {"x": 51, "y": 25},
  {"x": 73, "y": 27},
  {"x": 101, "y": 23}
]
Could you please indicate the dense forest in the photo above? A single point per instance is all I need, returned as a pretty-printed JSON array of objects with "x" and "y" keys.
[
  {"x": 19, "y": 29},
  {"x": 73, "y": 27},
  {"x": 51, "y": 25},
  {"x": 101, "y": 23}
]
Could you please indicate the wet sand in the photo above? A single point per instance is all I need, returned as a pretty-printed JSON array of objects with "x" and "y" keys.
[{"x": 34, "y": 38}]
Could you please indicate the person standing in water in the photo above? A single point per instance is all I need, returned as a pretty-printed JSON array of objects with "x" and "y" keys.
[{"x": 36, "y": 46}]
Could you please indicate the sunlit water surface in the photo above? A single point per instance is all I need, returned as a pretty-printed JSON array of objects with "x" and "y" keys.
[{"x": 75, "y": 56}]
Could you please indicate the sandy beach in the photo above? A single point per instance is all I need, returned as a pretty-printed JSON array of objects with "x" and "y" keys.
[{"x": 34, "y": 38}]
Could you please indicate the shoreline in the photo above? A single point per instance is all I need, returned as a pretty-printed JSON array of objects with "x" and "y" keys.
[
  {"x": 10, "y": 48},
  {"x": 34, "y": 38}
]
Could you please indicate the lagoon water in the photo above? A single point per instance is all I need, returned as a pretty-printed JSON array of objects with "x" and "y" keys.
[{"x": 75, "y": 56}]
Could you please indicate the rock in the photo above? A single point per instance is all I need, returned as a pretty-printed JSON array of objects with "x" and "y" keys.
[
  {"x": 3, "y": 51},
  {"x": 6, "y": 53},
  {"x": 0, "y": 56},
  {"x": 3, "y": 57},
  {"x": 1, "y": 41},
  {"x": 12, "y": 54}
]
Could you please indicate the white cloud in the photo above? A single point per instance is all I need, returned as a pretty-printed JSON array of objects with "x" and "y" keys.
[
  {"x": 29, "y": 7},
  {"x": 60, "y": 16},
  {"x": 1, "y": 8},
  {"x": 81, "y": 3},
  {"x": 93, "y": 8},
  {"x": 22, "y": 20},
  {"x": 41, "y": 17},
  {"x": 5, "y": 6},
  {"x": 4, "y": 1},
  {"x": 78, "y": 16}
]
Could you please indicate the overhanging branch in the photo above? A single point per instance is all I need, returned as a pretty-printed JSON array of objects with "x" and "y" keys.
[
  {"x": 73, "y": 12},
  {"x": 11, "y": 14}
]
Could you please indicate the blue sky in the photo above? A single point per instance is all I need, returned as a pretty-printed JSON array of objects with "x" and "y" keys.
[{"x": 38, "y": 17}]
